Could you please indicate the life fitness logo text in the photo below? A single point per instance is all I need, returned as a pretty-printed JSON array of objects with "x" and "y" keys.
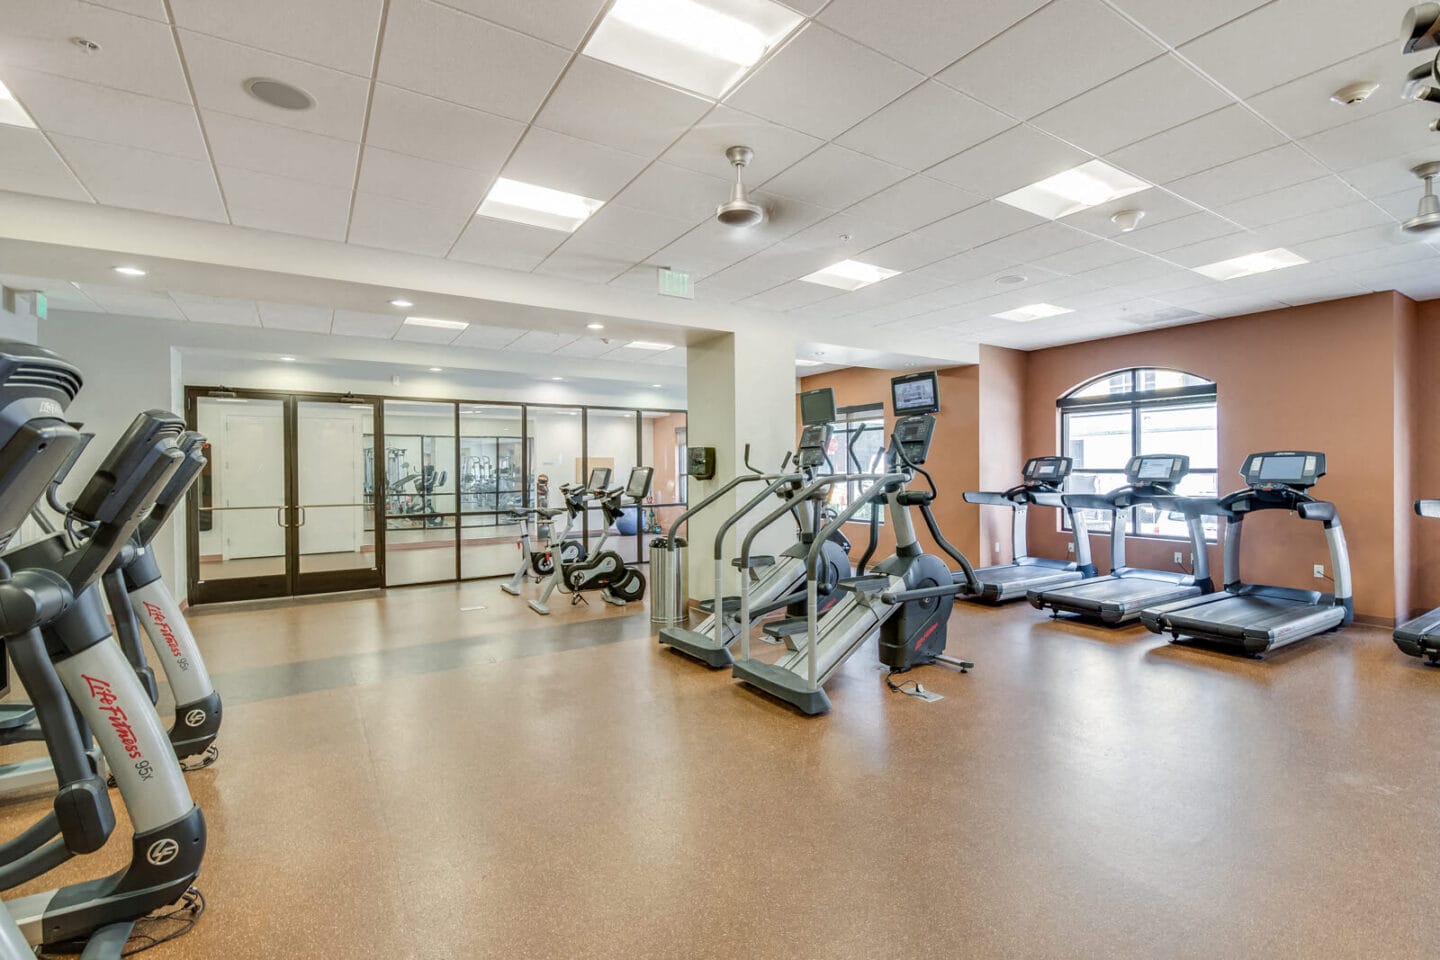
[
  {"x": 167, "y": 632},
  {"x": 101, "y": 693},
  {"x": 162, "y": 851}
]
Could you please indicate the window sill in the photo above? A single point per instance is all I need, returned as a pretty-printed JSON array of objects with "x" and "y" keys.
[{"x": 1160, "y": 538}]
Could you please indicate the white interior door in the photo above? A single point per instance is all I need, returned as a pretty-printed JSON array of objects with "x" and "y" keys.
[
  {"x": 250, "y": 481},
  {"x": 330, "y": 444}
]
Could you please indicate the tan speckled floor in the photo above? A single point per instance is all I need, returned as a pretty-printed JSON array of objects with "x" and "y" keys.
[{"x": 404, "y": 778}]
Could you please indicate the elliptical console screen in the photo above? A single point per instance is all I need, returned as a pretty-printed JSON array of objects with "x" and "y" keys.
[
  {"x": 914, "y": 434},
  {"x": 817, "y": 407},
  {"x": 599, "y": 479},
  {"x": 915, "y": 393},
  {"x": 1155, "y": 468}
]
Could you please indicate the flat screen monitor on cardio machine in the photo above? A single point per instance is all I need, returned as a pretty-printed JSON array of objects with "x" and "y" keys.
[
  {"x": 915, "y": 393},
  {"x": 1154, "y": 469},
  {"x": 599, "y": 479},
  {"x": 817, "y": 407},
  {"x": 1299, "y": 469}
]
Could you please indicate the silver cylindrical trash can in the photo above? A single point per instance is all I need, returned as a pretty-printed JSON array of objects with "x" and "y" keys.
[{"x": 669, "y": 585}]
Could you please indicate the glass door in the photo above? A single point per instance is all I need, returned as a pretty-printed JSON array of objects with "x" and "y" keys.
[{"x": 286, "y": 502}]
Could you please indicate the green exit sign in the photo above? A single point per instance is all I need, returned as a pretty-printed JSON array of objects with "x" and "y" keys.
[
  {"x": 42, "y": 305},
  {"x": 676, "y": 284}
]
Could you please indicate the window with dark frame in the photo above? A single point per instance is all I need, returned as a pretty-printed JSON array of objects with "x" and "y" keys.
[
  {"x": 866, "y": 424},
  {"x": 1106, "y": 421}
]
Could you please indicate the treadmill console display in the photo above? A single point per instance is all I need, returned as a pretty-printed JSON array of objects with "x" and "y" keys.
[
  {"x": 1047, "y": 471},
  {"x": 1158, "y": 470},
  {"x": 913, "y": 435},
  {"x": 814, "y": 439},
  {"x": 1289, "y": 468}
]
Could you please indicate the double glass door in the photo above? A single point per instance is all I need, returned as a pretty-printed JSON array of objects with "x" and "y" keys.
[{"x": 287, "y": 503}]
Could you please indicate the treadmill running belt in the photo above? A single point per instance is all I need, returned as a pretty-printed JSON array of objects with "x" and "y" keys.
[
  {"x": 1426, "y": 628},
  {"x": 1012, "y": 580},
  {"x": 1272, "y": 619}
]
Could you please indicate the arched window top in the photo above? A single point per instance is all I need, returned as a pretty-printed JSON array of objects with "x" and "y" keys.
[{"x": 1138, "y": 384}]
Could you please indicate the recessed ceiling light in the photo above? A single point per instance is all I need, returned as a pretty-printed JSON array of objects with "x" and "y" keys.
[
  {"x": 129, "y": 271},
  {"x": 437, "y": 369},
  {"x": 648, "y": 345},
  {"x": 594, "y": 326},
  {"x": 287, "y": 359},
  {"x": 557, "y": 379},
  {"x": 11, "y": 112},
  {"x": 656, "y": 386},
  {"x": 537, "y": 206},
  {"x": 278, "y": 94},
  {"x": 1251, "y": 264},
  {"x": 1035, "y": 311},
  {"x": 807, "y": 363},
  {"x": 1076, "y": 189},
  {"x": 1011, "y": 279},
  {"x": 402, "y": 304},
  {"x": 436, "y": 322},
  {"x": 850, "y": 275},
  {"x": 701, "y": 45}
]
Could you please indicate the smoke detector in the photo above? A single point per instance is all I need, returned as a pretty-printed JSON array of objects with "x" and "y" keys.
[
  {"x": 1353, "y": 93},
  {"x": 1428, "y": 216},
  {"x": 739, "y": 212},
  {"x": 1128, "y": 220}
]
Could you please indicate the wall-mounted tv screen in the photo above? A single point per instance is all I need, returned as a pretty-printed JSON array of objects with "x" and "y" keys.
[
  {"x": 915, "y": 393},
  {"x": 817, "y": 407}
]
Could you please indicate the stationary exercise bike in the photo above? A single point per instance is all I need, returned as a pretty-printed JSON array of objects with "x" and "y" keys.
[
  {"x": 606, "y": 570},
  {"x": 536, "y": 565},
  {"x": 560, "y": 542}
]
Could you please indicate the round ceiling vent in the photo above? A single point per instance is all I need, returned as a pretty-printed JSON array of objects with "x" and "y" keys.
[
  {"x": 1010, "y": 279},
  {"x": 278, "y": 94}
]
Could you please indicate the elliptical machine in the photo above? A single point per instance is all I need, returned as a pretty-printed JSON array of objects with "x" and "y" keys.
[{"x": 606, "y": 570}]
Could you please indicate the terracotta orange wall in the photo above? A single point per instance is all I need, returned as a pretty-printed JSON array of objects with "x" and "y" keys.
[
  {"x": 1002, "y": 449},
  {"x": 954, "y": 453},
  {"x": 1425, "y": 447},
  {"x": 1316, "y": 377},
  {"x": 665, "y": 484}
]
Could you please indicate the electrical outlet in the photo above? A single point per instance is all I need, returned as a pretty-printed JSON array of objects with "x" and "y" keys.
[
  {"x": 1319, "y": 571},
  {"x": 1069, "y": 548},
  {"x": 997, "y": 546},
  {"x": 1179, "y": 557}
]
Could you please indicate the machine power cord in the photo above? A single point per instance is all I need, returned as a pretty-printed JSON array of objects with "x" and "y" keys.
[
  {"x": 918, "y": 690},
  {"x": 159, "y": 928},
  {"x": 211, "y": 754}
]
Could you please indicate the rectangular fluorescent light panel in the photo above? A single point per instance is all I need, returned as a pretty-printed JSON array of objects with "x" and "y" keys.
[
  {"x": 1251, "y": 264},
  {"x": 1035, "y": 311},
  {"x": 648, "y": 345},
  {"x": 850, "y": 275},
  {"x": 1076, "y": 189},
  {"x": 436, "y": 322},
  {"x": 807, "y": 363},
  {"x": 700, "y": 45},
  {"x": 11, "y": 112},
  {"x": 537, "y": 206}
]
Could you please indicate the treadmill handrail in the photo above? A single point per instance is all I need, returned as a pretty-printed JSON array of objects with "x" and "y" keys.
[
  {"x": 1428, "y": 508},
  {"x": 988, "y": 498}
]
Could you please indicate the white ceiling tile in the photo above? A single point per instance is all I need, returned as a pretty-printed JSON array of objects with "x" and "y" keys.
[
  {"x": 60, "y": 105},
  {"x": 1374, "y": 139},
  {"x": 1279, "y": 167},
  {"x": 387, "y": 174},
  {"x": 219, "y": 68},
  {"x": 908, "y": 252},
  {"x": 1322, "y": 193},
  {"x": 675, "y": 193},
  {"x": 1177, "y": 22},
  {"x": 962, "y": 268},
  {"x": 587, "y": 264},
  {"x": 841, "y": 237},
  {"x": 488, "y": 338},
  {"x": 711, "y": 247},
  {"x": 268, "y": 202},
  {"x": 447, "y": 54},
  {"x": 37, "y": 35},
  {"x": 822, "y": 83},
  {"x": 1209, "y": 141},
  {"x": 1157, "y": 96},
  {"x": 1303, "y": 107},
  {"x": 926, "y": 34},
  {"x": 673, "y": 357},
  {"x": 1085, "y": 44},
  {"x": 150, "y": 9},
  {"x": 929, "y": 124},
  {"x": 1090, "y": 257},
  {"x": 1013, "y": 159},
  {"x": 1367, "y": 249},
  {"x": 1389, "y": 175},
  {"x": 1131, "y": 271},
  {"x": 562, "y": 22},
  {"x": 334, "y": 33},
  {"x": 68, "y": 298},
  {"x": 410, "y": 227},
  {"x": 626, "y": 228},
  {"x": 29, "y": 165},
  {"x": 1178, "y": 232},
  {"x": 500, "y": 243},
  {"x": 834, "y": 177},
  {"x": 785, "y": 216},
  {"x": 351, "y": 323},
  {"x": 1262, "y": 49},
  {"x": 1213, "y": 251},
  {"x": 422, "y": 126},
  {"x": 586, "y": 348},
  {"x": 142, "y": 180},
  {"x": 913, "y": 203},
  {"x": 282, "y": 151},
  {"x": 604, "y": 104},
  {"x": 559, "y": 162},
  {"x": 286, "y": 316},
  {"x": 414, "y": 333},
  {"x": 791, "y": 295},
  {"x": 979, "y": 225},
  {"x": 1326, "y": 222},
  {"x": 541, "y": 341},
  {"x": 702, "y": 148},
  {"x": 1036, "y": 243},
  {"x": 132, "y": 303},
  {"x": 1158, "y": 206},
  {"x": 202, "y": 309}
]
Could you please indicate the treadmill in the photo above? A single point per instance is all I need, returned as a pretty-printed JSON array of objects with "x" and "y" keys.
[
  {"x": 1252, "y": 617},
  {"x": 1421, "y": 636},
  {"x": 1044, "y": 479},
  {"x": 1150, "y": 481}
]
